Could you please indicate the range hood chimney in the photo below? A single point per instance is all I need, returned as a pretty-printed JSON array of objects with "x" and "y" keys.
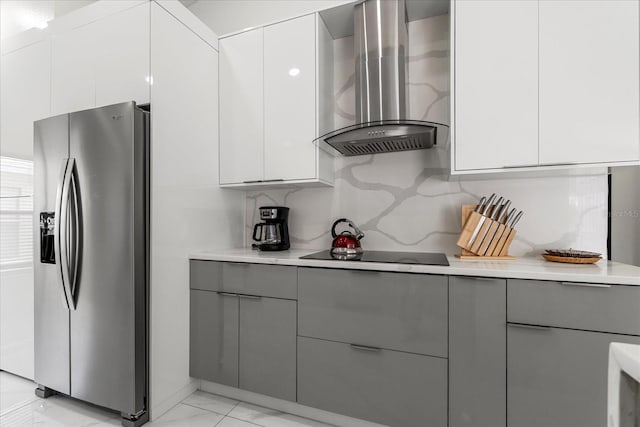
[{"x": 380, "y": 42}]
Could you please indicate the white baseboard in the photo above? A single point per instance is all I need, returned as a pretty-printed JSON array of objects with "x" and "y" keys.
[
  {"x": 177, "y": 397},
  {"x": 284, "y": 406}
]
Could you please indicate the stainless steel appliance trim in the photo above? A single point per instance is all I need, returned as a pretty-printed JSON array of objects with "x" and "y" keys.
[{"x": 585, "y": 285}]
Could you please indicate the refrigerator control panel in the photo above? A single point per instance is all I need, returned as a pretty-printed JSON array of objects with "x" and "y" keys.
[{"x": 47, "y": 232}]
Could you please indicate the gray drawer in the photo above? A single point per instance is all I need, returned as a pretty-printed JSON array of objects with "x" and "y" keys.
[
  {"x": 558, "y": 377},
  {"x": 587, "y": 306},
  {"x": 276, "y": 281},
  {"x": 388, "y": 387},
  {"x": 406, "y": 312}
]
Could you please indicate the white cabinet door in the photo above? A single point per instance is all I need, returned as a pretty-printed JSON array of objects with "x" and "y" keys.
[
  {"x": 496, "y": 84},
  {"x": 589, "y": 100},
  {"x": 122, "y": 66},
  {"x": 290, "y": 99},
  {"x": 101, "y": 63},
  {"x": 72, "y": 70},
  {"x": 241, "y": 108},
  {"x": 25, "y": 96}
]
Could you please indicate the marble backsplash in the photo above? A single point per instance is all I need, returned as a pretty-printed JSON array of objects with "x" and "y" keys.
[{"x": 407, "y": 201}]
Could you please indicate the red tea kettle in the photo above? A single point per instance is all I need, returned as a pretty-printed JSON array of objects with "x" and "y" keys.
[{"x": 346, "y": 243}]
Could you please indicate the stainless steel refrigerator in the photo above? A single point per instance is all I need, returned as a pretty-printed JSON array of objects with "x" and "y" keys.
[{"x": 91, "y": 235}]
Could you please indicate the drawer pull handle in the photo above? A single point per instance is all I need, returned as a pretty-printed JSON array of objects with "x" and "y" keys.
[
  {"x": 365, "y": 348},
  {"x": 227, "y": 294},
  {"x": 584, "y": 285},
  {"x": 483, "y": 279},
  {"x": 523, "y": 326},
  {"x": 250, "y": 296}
]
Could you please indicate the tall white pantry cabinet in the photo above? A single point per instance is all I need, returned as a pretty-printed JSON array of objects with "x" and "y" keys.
[
  {"x": 160, "y": 55},
  {"x": 545, "y": 84}
]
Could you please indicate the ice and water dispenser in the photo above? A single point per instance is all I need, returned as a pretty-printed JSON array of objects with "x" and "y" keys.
[{"x": 47, "y": 232}]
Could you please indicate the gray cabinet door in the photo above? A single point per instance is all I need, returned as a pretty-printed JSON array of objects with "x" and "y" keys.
[
  {"x": 587, "y": 306},
  {"x": 397, "y": 311},
  {"x": 388, "y": 387},
  {"x": 268, "y": 346},
  {"x": 213, "y": 353},
  {"x": 558, "y": 377},
  {"x": 477, "y": 352},
  {"x": 276, "y": 281},
  {"x": 205, "y": 275}
]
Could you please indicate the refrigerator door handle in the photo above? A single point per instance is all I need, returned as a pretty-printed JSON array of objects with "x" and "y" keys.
[
  {"x": 74, "y": 235},
  {"x": 64, "y": 242},
  {"x": 60, "y": 239}
]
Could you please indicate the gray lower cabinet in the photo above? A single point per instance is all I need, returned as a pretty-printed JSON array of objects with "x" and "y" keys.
[
  {"x": 396, "y": 311},
  {"x": 276, "y": 281},
  {"x": 586, "y": 306},
  {"x": 213, "y": 337},
  {"x": 268, "y": 346},
  {"x": 477, "y": 352},
  {"x": 388, "y": 387},
  {"x": 558, "y": 377},
  {"x": 244, "y": 341}
]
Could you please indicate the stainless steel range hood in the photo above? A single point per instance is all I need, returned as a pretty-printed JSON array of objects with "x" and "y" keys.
[{"x": 380, "y": 41}]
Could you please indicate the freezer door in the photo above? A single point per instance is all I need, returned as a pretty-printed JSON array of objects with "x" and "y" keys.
[
  {"x": 107, "y": 339},
  {"x": 51, "y": 314}
]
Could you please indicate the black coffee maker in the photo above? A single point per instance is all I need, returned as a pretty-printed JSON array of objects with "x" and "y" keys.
[{"x": 273, "y": 233}]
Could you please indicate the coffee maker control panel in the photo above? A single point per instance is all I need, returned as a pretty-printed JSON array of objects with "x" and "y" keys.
[{"x": 268, "y": 213}]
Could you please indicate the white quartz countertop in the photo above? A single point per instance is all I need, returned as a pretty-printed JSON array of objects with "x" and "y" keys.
[{"x": 608, "y": 272}]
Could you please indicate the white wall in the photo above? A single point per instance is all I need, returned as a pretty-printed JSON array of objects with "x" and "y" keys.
[
  {"x": 228, "y": 16},
  {"x": 407, "y": 201},
  {"x": 189, "y": 211}
]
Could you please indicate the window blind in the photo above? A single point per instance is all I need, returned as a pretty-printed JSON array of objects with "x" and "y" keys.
[{"x": 16, "y": 213}]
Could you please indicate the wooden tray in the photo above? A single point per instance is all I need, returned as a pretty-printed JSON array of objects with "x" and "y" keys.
[{"x": 571, "y": 260}]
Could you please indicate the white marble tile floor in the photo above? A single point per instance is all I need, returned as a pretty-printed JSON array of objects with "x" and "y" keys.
[{"x": 19, "y": 407}]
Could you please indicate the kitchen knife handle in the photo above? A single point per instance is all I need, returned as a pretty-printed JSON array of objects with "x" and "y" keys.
[
  {"x": 516, "y": 219},
  {"x": 488, "y": 204},
  {"x": 496, "y": 208},
  {"x": 504, "y": 210}
]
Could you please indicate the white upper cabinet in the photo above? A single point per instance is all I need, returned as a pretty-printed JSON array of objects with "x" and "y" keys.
[
  {"x": 122, "y": 63},
  {"x": 290, "y": 99},
  {"x": 545, "y": 84},
  {"x": 496, "y": 84},
  {"x": 241, "y": 108},
  {"x": 95, "y": 64},
  {"x": 270, "y": 80},
  {"x": 25, "y": 97},
  {"x": 72, "y": 70},
  {"x": 589, "y": 77}
]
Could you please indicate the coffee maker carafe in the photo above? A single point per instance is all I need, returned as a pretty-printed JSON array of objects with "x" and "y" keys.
[{"x": 273, "y": 233}]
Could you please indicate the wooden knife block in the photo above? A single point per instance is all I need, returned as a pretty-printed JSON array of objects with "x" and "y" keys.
[{"x": 495, "y": 249}]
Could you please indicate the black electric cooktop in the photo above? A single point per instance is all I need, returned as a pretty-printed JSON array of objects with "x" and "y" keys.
[{"x": 422, "y": 258}]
